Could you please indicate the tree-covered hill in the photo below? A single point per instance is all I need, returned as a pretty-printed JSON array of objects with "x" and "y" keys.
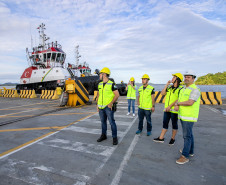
[{"x": 212, "y": 79}]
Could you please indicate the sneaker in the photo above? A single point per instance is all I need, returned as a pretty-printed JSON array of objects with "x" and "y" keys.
[
  {"x": 115, "y": 141},
  {"x": 133, "y": 115},
  {"x": 172, "y": 141},
  {"x": 148, "y": 133},
  {"x": 191, "y": 155},
  {"x": 138, "y": 131},
  {"x": 182, "y": 160},
  {"x": 128, "y": 114},
  {"x": 102, "y": 137},
  {"x": 158, "y": 140}
]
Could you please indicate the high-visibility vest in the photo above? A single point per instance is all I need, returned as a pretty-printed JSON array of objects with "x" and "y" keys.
[
  {"x": 131, "y": 93},
  {"x": 106, "y": 94},
  {"x": 145, "y": 97},
  {"x": 188, "y": 113},
  {"x": 171, "y": 96}
]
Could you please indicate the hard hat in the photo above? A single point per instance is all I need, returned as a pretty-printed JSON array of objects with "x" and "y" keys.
[
  {"x": 132, "y": 79},
  {"x": 190, "y": 73},
  {"x": 179, "y": 75},
  {"x": 106, "y": 70},
  {"x": 69, "y": 78},
  {"x": 145, "y": 76}
]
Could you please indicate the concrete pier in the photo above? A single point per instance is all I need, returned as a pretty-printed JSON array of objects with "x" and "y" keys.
[{"x": 41, "y": 143}]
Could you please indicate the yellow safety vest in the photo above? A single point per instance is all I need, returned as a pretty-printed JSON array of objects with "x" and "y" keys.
[
  {"x": 145, "y": 97},
  {"x": 106, "y": 94},
  {"x": 131, "y": 93},
  {"x": 188, "y": 113},
  {"x": 171, "y": 96}
]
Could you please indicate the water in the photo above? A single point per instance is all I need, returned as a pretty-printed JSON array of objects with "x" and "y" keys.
[{"x": 159, "y": 87}]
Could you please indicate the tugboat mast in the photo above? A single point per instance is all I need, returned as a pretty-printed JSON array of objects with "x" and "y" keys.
[{"x": 43, "y": 37}]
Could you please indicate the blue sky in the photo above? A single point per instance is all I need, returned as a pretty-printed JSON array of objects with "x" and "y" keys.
[{"x": 133, "y": 37}]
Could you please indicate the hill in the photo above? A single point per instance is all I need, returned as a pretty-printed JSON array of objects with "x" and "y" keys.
[{"x": 212, "y": 79}]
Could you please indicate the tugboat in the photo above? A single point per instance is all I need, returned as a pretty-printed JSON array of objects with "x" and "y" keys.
[{"x": 48, "y": 70}]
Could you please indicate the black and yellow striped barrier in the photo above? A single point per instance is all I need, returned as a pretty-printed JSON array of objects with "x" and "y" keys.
[
  {"x": 207, "y": 98},
  {"x": 77, "y": 93},
  {"x": 211, "y": 98},
  {"x": 49, "y": 94},
  {"x": 27, "y": 94},
  {"x": 95, "y": 96}
]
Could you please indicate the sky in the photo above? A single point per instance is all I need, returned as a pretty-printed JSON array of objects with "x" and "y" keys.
[{"x": 130, "y": 37}]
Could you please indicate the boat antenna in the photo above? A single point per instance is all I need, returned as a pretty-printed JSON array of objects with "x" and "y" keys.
[{"x": 77, "y": 55}]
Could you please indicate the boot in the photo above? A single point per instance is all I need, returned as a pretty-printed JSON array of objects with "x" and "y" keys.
[
  {"x": 115, "y": 141},
  {"x": 102, "y": 137}
]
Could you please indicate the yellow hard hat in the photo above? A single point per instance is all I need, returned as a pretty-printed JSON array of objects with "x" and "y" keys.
[
  {"x": 179, "y": 75},
  {"x": 145, "y": 76},
  {"x": 106, "y": 70},
  {"x": 132, "y": 79}
]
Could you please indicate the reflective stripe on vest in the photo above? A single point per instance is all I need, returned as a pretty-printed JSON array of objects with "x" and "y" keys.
[
  {"x": 131, "y": 93},
  {"x": 106, "y": 94},
  {"x": 188, "y": 113},
  {"x": 145, "y": 97},
  {"x": 171, "y": 96}
]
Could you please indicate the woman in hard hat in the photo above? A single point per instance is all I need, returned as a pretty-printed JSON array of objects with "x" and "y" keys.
[
  {"x": 131, "y": 95},
  {"x": 172, "y": 93}
]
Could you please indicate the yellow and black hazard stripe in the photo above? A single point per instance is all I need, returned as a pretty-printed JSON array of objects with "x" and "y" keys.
[
  {"x": 83, "y": 95},
  {"x": 159, "y": 98},
  {"x": 211, "y": 98}
]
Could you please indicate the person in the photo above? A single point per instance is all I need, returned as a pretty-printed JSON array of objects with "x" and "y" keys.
[
  {"x": 188, "y": 105},
  {"x": 131, "y": 95},
  {"x": 107, "y": 95},
  {"x": 146, "y": 104},
  {"x": 172, "y": 93}
]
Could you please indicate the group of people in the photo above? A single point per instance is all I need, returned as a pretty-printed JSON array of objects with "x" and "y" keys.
[{"x": 180, "y": 103}]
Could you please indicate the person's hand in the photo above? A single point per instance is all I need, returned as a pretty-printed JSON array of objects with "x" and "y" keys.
[
  {"x": 176, "y": 107},
  {"x": 110, "y": 106},
  {"x": 97, "y": 109},
  {"x": 153, "y": 109},
  {"x": 167, "y": 109},
  {"x": 168, "y": 82}
]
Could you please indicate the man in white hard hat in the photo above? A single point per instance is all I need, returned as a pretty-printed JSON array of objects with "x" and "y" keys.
[{"x": 188, "y": 111}]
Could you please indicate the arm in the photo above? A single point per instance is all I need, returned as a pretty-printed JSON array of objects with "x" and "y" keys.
[
  {"x": 97, "y": 101},
  {"x": 163, "y": 92},
  {"x": 138, "y": 100},
  {"x": 153, "y": 103},
  {"x": 170, "y": 106},
  {"x": 116, "y": 93},
  {"x": 132, "y": 86}
]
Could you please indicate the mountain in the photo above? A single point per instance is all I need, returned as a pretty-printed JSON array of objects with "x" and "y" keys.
[
  {"x": 9, "y": 84},
  {"x": 212, "y": 79}
]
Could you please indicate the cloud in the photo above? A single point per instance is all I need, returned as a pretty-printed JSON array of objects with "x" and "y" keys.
[{"x": 130, "y": 37}]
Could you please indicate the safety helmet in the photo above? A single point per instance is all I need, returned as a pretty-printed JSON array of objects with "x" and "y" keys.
[
  {"x": 190, "y": 73},
  {"x": 179, "y": 75},
  {"x": 132, "y": 79},
  {"x": 145, "y": 76},
  {"x": 105, "y": 70}
]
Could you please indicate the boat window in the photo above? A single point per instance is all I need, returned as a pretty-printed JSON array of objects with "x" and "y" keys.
[
  {"x": 48, "y": 56},
  {"x": 44, "y": 57},
  {"x": 62, "y": 58},
  {"x": 53, "y": 56},
  {"x": 58, "y": 57}
]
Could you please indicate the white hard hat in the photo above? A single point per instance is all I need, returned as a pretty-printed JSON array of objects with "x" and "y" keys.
[{"x": 190, "y": 73}]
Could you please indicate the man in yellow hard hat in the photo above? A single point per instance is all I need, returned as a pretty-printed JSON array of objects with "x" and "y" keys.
[
  {"x": 172, "y": 93},
  {"x": 131, "y": 95},
  {"x": 188, "y": 111},
  {"x": 107, "y": 95},
  {"x": 146, "y": 104}
]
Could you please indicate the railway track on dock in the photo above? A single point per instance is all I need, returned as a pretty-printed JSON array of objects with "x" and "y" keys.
[{"x": 33, "y": 116}]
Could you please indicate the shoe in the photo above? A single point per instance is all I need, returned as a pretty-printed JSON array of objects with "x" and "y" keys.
[
  {"x": 128, "y": 114},
  {"x": 102, "y": 137},
  {"x": 115, "y": 141},
  {"x": 138, "y": 131},
  {"x": 158, "y": 140},
  {"x": 182, "y": 160},
  {"x": 172, "y": 141},
  {"x": 189, "y": 154},
  {"x": 148, "y": 133},
  {"x": 133, "y": 115}
]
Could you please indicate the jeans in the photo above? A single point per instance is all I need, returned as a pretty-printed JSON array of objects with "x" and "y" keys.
[
  {"x": 147, "y": 114},
  {"x": 188, "y": 138},
  {"x": 133, "y": 105},
  {"x": 104, "y": 114},
  {"x": 166, "y": 118}
]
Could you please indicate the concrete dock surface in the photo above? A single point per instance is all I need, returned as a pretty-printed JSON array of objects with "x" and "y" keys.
[{"x": 42, "y": 143}]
